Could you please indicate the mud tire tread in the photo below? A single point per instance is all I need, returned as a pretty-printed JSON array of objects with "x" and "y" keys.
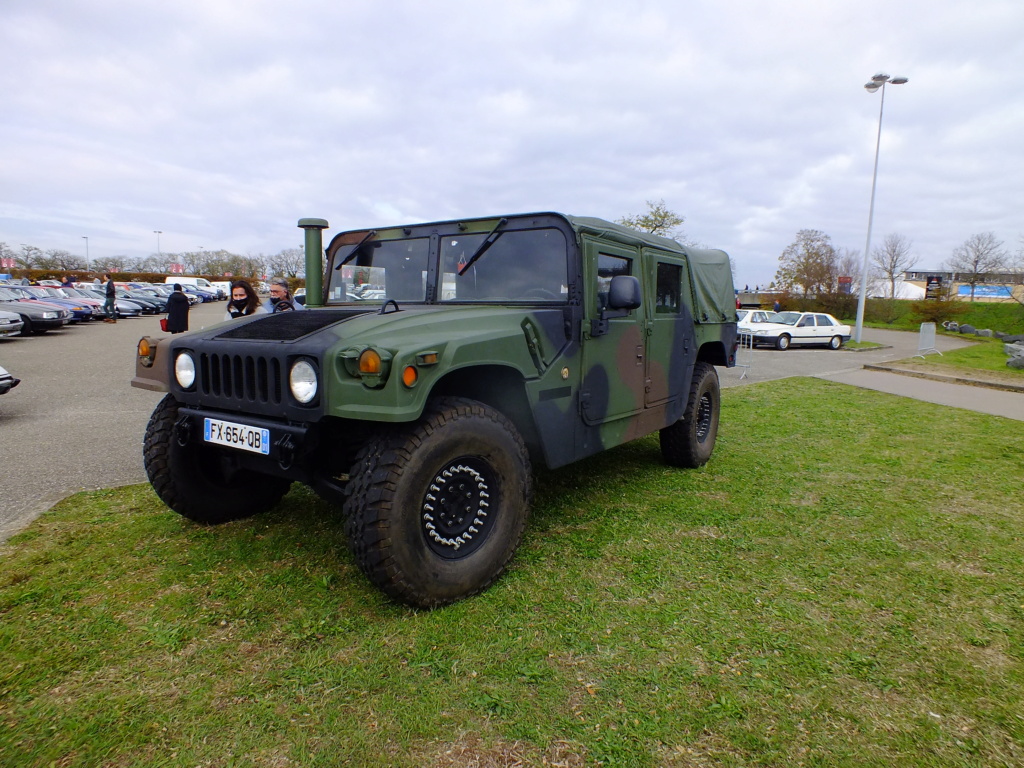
[{"x": 375, "y": 485}]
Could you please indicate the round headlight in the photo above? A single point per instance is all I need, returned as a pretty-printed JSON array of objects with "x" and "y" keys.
[
  {"x": 302, "y": 381},
  {"x": 185, "y": 370}
]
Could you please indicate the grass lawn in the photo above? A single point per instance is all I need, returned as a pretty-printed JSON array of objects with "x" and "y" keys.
[
  {"x": 984, "y": 360},
  {"x": 840, "y": 586},
  {"x": 986, "y": 355}
]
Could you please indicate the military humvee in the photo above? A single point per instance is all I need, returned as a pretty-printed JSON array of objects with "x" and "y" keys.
[{"x": 435, "y": 365}]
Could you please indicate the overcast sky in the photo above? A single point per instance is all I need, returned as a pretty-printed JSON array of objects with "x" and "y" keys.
[{"x": 222, "y": 123}]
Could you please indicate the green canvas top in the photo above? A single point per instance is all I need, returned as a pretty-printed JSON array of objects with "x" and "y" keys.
[{"x": 711, "y": 273}]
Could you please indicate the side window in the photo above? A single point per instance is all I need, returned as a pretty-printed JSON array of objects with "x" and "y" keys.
[
  {"x": 669, "y": 287},
  {"x": 806, "y": 321},
  {"x": 823, "y": 320},
  {"x": 607, "y": 268}
]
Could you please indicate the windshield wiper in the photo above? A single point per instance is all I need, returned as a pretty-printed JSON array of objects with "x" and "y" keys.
[
  {"x": 487, "y": 243},
  {"x": 355, "y": 249}
]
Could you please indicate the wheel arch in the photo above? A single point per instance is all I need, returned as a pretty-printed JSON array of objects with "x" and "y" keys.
[
  {"x": 500, "y": 387},
  {"x": 713, "y": 352}
]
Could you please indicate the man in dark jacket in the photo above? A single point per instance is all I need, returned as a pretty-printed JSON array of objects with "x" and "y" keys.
[
  {"x": 177, "y": 311},
  {"x": 111, "y": 297}
]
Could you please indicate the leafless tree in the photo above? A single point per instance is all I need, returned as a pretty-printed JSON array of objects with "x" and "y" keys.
[
  {"x": 30, "y": 257},
  {"x": 980, "y": 255},
  {"x": 286, "y": 263},
  {"x": 110, "y": 264},
  {"x": 892, "y": 259}
]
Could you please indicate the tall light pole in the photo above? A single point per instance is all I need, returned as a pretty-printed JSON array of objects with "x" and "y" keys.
[
  {"x": 87, "y": 259},
  {"x": 878, "y": 81},
  {"x": 158, "y": 232}
]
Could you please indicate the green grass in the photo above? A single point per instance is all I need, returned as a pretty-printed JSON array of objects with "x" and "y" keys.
[
  {"x": 840, "y": 586},
  {"x": 986, "y": 355},
  {"x": 862, "y": 345}
]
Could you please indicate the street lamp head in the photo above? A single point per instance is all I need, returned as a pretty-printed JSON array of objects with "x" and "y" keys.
[
  {"x": 898, "y": 81},
  {"x": 871, "y": 87},
  {"x": 880, "y": 78}
]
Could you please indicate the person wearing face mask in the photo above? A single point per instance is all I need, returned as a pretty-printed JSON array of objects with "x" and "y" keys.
[
  {"x": 244, "y": 301},
  {"x": 280, "y": 299}
]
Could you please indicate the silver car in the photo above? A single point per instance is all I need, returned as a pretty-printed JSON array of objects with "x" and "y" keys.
[
  {"x": 7, "y": 382},
  {"x": 10, "y": 323}
]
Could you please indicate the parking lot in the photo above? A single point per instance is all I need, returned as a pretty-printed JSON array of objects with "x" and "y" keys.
[{"x": 75, "y": 423}]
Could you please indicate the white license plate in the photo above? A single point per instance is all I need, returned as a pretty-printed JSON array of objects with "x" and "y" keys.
[{"x": 237, "y": 436}]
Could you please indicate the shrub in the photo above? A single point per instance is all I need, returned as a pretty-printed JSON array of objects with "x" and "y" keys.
[{"x": 938, "y": 310}]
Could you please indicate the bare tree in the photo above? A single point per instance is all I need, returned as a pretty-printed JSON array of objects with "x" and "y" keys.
[
  {"x": 892, "y": 259},
  {"x": 979, "y": 256},
  {"x": 30, "y": 257},
  {"x": 658, "y": 220},
  {"x": 286, "y": 263},
  {"x": 809, "y": 262},
  {"x": 110, "y": 264}
]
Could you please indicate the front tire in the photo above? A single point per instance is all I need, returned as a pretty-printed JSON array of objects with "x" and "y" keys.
[
  {"x": 197, "y": 481},
  {"x": 782, "y": 342},
  {"x": 437, "y": 508},
  {"x": 690, "y": 441}
]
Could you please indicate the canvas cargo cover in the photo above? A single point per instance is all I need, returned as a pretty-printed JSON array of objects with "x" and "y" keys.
[{"x": 714, "y": 300}]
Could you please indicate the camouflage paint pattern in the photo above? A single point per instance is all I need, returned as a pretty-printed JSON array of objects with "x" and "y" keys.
[{"x": 572, "y": 387}]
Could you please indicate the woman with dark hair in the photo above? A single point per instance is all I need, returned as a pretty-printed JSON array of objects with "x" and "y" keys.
[
  {"x": 244, "y": 301},
  {"x": 177, "y": 310}
]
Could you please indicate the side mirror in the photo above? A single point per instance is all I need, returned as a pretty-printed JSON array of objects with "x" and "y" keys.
[
  {"x": 624, "y": 292},
  {"x": 623, "y": 295}
]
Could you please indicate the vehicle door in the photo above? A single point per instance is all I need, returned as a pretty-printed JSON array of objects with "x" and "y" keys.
[
  {"x": 614, "y": 354},
  {"x": 668, "y": 327},
  {"x": 825, "y": 327},
  {"x": 805, "y": 332}
]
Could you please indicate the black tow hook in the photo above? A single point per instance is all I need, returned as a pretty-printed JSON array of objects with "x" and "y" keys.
[
  {"x": 285, "y": 452},
  {"x": 183, "y": 431}
]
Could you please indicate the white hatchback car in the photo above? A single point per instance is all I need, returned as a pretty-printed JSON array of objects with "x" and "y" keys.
[{"x": 788, "y": 328}]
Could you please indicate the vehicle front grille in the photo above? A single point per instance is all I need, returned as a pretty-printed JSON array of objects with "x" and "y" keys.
[{"x": 244, "y": 379}]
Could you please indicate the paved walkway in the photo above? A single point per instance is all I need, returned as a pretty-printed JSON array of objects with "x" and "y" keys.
[{"x": 971, "y": 393}]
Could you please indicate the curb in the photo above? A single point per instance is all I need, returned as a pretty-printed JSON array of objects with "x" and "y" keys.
[{"x": 947, "y": 378}]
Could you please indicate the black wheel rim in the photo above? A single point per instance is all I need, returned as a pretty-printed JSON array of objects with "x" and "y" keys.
[
  {"x": 704, "y": 411},
  {"x": 459, "y": 508}
]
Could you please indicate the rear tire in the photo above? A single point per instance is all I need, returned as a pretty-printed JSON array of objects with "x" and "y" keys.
[
  {"x": 437, "y": 508},
  {"x": 835, "y": 342},
  {"x": 195, "y": 480},
  {"x": 690, "y": 441}
]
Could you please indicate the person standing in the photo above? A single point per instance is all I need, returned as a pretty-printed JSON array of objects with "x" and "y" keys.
[
  {"x": 776, "y": 307},
  {"x": 109, "y": 303},
  {"x": 280, "y": 297},
  {"x": 177, "y": 310},
  {"x": 244, "y": 301}
]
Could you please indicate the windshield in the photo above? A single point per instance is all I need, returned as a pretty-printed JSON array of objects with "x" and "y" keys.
[
  {"x": 383, "y": 269},
  {"x": 786, "y": 318},
  {"x": 521, "y": 265},
  {"x": 518, "y": 266}
]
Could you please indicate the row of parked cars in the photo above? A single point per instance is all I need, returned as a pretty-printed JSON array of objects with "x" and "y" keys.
[
  {"x": 35, "y": 309},
  {"x": 32, "y": 310}
]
